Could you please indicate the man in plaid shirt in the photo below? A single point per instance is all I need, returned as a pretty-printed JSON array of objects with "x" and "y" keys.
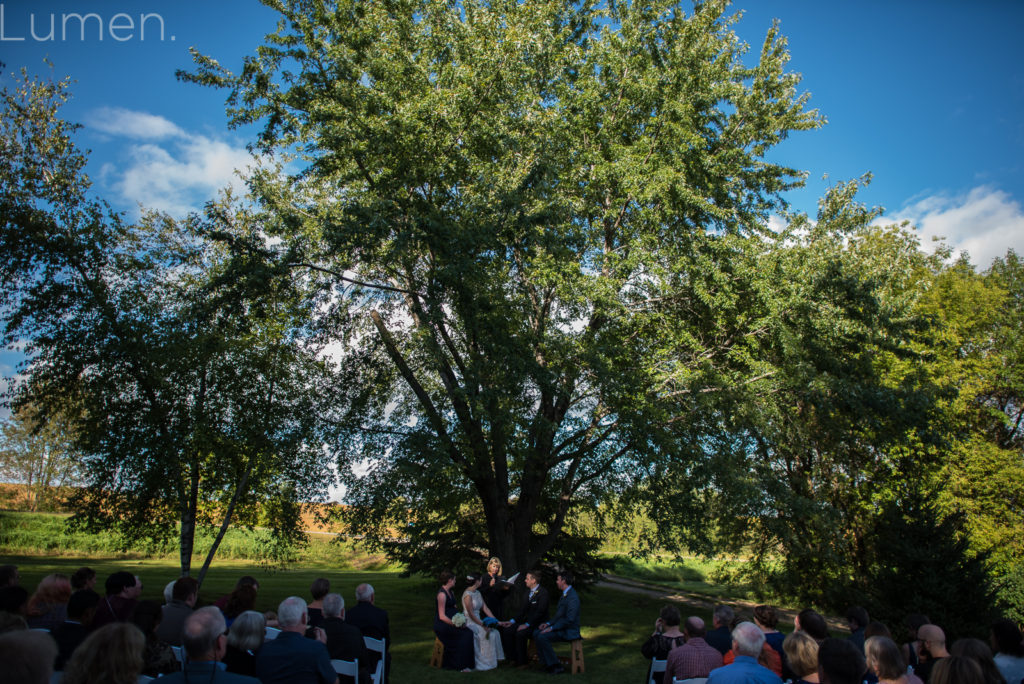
[{"x": 695, "y": 658}]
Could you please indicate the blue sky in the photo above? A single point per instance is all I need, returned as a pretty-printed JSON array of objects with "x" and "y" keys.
[{"x": 926, "y": 94}]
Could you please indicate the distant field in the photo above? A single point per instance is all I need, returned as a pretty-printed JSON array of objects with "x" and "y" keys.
[{"x": 46, "y": 534}]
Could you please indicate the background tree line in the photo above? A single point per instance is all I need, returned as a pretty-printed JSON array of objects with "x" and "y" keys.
[{"x": 535, "y": 233}]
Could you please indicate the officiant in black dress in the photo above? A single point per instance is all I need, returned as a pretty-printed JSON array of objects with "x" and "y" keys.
[{"x": 494, "y": 588}]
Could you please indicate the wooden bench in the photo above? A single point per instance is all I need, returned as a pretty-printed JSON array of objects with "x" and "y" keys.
[
  {"x": 438, "y": 655},
  {"x": 574, "y": 662}
]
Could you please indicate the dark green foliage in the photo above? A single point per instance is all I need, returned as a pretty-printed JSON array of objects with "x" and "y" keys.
[{"x": 921, "y": 562}]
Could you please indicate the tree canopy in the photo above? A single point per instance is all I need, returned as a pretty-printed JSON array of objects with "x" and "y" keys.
[{"x": 194, "y": 403}]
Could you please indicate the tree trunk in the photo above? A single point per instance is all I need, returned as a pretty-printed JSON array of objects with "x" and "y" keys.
[{"x": 188, "y": 520}]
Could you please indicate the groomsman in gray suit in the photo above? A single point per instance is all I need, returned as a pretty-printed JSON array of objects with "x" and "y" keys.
[{"x": 564, "y": 627}]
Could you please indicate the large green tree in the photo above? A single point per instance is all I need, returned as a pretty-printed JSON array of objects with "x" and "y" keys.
[
  {"x": 196, "y": 404},
  {"x": 537, "y": 217}
]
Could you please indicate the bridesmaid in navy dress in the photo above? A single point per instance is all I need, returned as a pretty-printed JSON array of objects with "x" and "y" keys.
[{"x": 458, "y": 641}]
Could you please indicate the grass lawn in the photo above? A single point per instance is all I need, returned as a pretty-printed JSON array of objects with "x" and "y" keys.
[{"x": 614, "y": 622}]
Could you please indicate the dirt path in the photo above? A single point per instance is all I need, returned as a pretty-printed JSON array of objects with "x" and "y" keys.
[{"x": 701, "y": 601}]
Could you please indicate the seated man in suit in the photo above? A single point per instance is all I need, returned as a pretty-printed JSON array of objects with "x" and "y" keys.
[
  {"x": 372, "y": 621},
  {"x": 564, "y": 627},
  {"x": 344, "y": 641},
  {"x": 204, "y": 637},
  {"x": 291, "y": 658},
  {"x": 75, "y": 629},
  {"x": 515, "y": 633}
]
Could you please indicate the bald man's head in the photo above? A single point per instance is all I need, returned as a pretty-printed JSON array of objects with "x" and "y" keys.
[
  {"x": 694, "y": 627},
  {"x": 933, "y": 641}
]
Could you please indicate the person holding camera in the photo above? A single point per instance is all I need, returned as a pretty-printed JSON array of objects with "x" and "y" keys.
[{"x": 666, "y": 634}]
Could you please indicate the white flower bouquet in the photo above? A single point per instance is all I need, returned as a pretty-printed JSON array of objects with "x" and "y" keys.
[{"x": 459, "y": 620}]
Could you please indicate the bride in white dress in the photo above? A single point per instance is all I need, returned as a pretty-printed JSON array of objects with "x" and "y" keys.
[{"x": 486, "y": 640}]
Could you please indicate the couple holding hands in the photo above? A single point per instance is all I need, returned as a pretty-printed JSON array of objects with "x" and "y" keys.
[{"x": 483, "y": 639}]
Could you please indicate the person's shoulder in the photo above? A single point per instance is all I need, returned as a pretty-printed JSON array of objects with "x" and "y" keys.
[{"x": 230, "y": 678}]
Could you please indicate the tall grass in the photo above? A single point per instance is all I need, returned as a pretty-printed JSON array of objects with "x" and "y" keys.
[{"x": 47, "y": 534}]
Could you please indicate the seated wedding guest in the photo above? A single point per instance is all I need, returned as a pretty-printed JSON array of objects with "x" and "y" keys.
[
  {"x": 48, "y": 607},
  {"x": 158, "y": 657},
  {"x": 720, "y": 636},
  {"x": 457, "y": 639},
  {"x": 840, "y": 662},
  {"x": 978, "y": 651},
  {"x": 243, "y": 581},
  {"x": 113, "y": 654},
  {"x": 767, "y": 617},
  {"x": 695, "y": 658},
  {"x": 291, "y": 658},
  {"x": 203, "y": 638},
  {"x": 27, "y": 657},
  {"x": 931, "y": 650},
  {"x": 884, "y": 659},
  {"x": 14, "y": 600},
  {"x": 344, "y": 641},
  {"x": 956, "y": 670},
  {"x": 1006, "y": 641},
  {"x": 373, "y": 622},
  {"x": 83, "y": 578},
  {"x": 857, "y": 620},
  {"x": 241, "y": 599},
  {"x": 9, "y": 576},
  {"x": 666, "y": 635},
  {"x": 876, "y": 628},
  {"x": 183, "y": 600},
  {"x": 913, "y": 622},
  {"x": 9, "y": 622},
  {"x": 75, "y": 628},
  {"x": 118, "y": 604},
  {"x": 768, "y": 657},
  {"x": 802, "y": 657},
  {"x": 244, "y": 640},
  {"x": 494, "y": 589},
  {"x": 320, "y": 588},
  {"x": 747, "y": 645},
  {"x": 812, "y": 623}
]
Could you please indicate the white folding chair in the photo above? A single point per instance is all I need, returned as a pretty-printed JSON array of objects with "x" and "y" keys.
[
  {"x": 657, "y": 668},
  {"x": 378, "y": 646},
  {"x": 349, "y": 668},
  {"x": 693, "y": 680},
  {"x": 179, "y": 655},
  {"x": 270, "y": 633}
]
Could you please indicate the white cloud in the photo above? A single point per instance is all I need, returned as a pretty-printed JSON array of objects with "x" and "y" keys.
[
  {"x": 130, "y": 124},
  {"x": 984, "y": 223},
  {"x": 169, "y": 169}
]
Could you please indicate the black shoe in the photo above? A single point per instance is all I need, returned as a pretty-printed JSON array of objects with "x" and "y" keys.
[{"x": 555, "y": 669}]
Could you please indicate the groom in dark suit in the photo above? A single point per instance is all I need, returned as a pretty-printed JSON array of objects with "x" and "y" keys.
[
  {"x": 564, "y": 627},
  {"x": 516, "y": 632}
]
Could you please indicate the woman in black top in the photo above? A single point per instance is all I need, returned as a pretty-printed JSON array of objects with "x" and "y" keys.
[{"x": 666, "y": 634}]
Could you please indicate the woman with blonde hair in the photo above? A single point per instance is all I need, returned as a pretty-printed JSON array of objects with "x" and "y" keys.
[
  {"x": 244, "y": 639},
  {"x": 113, "y": 654},
  {"x": 48, "y": 607},
  {"x": 494, "y": 589},
  {"x": 886, "y": 661},
  {"x": 802, "y": 657}
]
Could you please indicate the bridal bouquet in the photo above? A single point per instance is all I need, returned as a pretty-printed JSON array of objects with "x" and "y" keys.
[{"x": 459, "y": 620}]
